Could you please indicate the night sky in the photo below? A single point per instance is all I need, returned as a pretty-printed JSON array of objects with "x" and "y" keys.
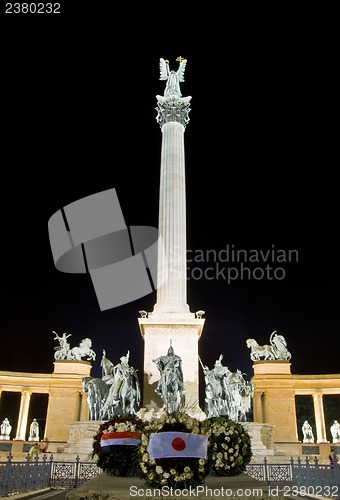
[{"x": 79, "y": 118}]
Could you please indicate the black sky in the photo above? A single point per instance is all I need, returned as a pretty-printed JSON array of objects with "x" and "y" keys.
[{"x": 261, "y": 155}]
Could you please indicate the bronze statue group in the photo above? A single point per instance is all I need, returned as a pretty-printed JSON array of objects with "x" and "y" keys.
[{"x": 118, "y": 394}]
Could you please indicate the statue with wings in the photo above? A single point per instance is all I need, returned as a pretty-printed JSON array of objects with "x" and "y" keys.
[{"x": 173, "y": 78}]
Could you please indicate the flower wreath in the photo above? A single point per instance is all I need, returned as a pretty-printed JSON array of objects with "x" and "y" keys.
[
  {"x": 121, "y": 460},
  {"x": 183, "y": 472},
  {"x": 229, "y": 448}
]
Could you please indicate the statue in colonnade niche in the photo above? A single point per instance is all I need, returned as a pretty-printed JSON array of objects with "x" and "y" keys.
[
  {"x": 335, "y": 431},
  {"x": 307, "y": 431},
  {"x": 5, "y": 429},
  {"x": 34, "y": 431}
]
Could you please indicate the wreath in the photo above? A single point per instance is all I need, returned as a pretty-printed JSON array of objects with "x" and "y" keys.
[
  {"x": 119, "y": 459},
  {"x": 178, "y": 472},
  {"x": 229, "y": 448}
]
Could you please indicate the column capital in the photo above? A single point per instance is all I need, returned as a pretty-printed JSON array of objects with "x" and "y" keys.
[
  {"x": 173, "y": 109},
  {"x": 26, "y": 393}
]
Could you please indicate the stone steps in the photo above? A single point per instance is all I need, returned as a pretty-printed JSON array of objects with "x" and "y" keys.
[{"x": 105, "y": 487}]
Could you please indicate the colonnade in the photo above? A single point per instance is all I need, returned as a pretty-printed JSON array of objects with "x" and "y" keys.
[
  {"x": 275, "y": 389},
  {"x": 67, "y": 402}
]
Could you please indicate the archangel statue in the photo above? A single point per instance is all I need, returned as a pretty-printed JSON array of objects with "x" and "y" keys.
[
  {"x": 172, "y": 106},
  {"x": 173, "y": 78}
]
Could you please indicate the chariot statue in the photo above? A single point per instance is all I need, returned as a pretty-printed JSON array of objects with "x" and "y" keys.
[
  {"x": 64, "y": 350},
  {"x": 276, "y": 350}
]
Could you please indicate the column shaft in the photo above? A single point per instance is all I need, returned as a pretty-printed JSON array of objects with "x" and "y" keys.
[
  {"x": 23, "y": 415},
  {"x": 172, "y": 263},
  {"x": 319, "y": 418}
]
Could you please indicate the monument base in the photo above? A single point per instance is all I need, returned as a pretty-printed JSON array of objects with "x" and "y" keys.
[
  {"x": 4, "y": 438},
  {"x": 262, "y": 443},
  {"x": 183, "y": 335},
  {"x": 147, "y": 414},
  {"x": 80, "y": 440}
]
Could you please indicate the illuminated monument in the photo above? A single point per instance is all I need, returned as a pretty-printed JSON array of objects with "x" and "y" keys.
[{"x": 171, "y": 321}]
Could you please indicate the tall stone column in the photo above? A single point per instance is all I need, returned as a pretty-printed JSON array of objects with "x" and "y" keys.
[
  {"x": 172, "y": 263},
  {"x": 23, "y": 415},
  {"x": 319, "y": 418},
  {"x": 171, "y": 321}
]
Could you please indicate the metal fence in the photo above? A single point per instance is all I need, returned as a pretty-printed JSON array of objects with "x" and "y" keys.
[
  {"x": 30, "y": 475},
  {"x": 308, "y": 477}
]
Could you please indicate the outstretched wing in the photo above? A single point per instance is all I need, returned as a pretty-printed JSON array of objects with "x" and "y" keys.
[
  {"x": 181, "y": 70},
  {"x": 163, "y": 70}
]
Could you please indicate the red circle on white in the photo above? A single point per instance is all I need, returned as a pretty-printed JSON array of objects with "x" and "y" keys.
[{"x": 178, "y": 444}]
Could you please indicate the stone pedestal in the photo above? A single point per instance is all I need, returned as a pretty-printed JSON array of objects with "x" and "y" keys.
[
  {"x": 67, "y": 401},
  {"x": 184, "y": 334},
  {"x": 80, "y": 440},
  {"x": 274, "y": 398},
  {"x": 261, "y": 438},
  {"x": 4, "y": 438}
]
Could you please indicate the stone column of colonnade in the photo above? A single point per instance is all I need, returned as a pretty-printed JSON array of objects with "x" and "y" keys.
[
  {"x": 319, "y": 418},
  {"x": 23, "y": 415}
]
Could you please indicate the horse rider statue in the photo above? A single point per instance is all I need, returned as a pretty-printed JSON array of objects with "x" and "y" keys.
[
  {"x": 124, "y": 386},
  {"x": 170, "y": 385}
]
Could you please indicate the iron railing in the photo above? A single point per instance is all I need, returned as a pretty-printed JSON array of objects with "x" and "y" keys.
[
  {"x": 30, "y": 475},
  {"x": 296, "y": 476}
]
